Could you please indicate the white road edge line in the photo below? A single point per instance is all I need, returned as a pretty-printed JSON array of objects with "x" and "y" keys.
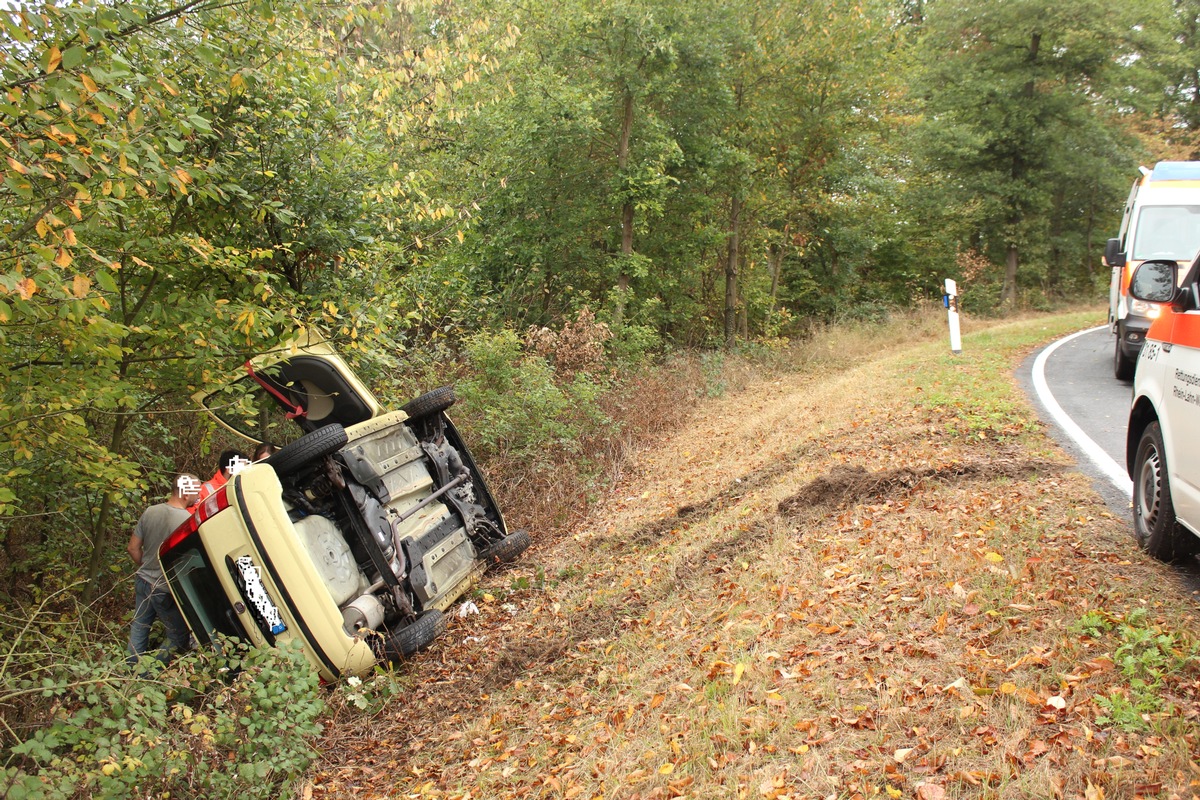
[{"x": 1093, "y": 451}]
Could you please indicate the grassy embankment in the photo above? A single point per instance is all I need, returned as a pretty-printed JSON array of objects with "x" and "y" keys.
[{"x": 871, "y": 574}]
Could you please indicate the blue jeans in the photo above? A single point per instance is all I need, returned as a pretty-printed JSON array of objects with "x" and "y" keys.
[{"x": 151, "y": 605}]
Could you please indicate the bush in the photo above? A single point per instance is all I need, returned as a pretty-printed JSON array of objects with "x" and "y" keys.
[
  {"x": 237, "y": 723},
  {"x": 518, "y": 409}
]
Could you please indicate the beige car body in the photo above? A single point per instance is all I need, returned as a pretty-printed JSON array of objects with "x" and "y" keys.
[{"x": 279, "y": 555}]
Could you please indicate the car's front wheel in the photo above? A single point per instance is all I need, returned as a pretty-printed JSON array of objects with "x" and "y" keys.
[
  {"x": 1123, "y": 365},
  {"x": 430, "y": 403},
  {"x": 293, "y": 456},
  {"x": 505, "y": 550},
  {"x": 417, "y": 635},
  {"x": 1153, "y": 511}
]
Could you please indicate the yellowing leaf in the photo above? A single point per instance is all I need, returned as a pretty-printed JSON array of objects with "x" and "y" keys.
[
  {"x": 1008, "y": 688},
  {"x": 666, "y": 769},
  {"x": 995, "y": 558},
  {"x": 26, "y": 288},
  {"x": 53, "y": 59},
  {"x": 738, "y": 671},
  {"x": 16, "y": 166},
  {"x": 80, "y": 286}
]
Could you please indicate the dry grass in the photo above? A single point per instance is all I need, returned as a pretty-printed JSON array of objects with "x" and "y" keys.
[{"x": 823, "y": 585}]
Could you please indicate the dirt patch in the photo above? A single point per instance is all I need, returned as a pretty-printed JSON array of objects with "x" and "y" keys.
[
  {"x": 855, "y": 483},
  {"x": 517, "y": 660},
  {"x": 733, "y": 492}
]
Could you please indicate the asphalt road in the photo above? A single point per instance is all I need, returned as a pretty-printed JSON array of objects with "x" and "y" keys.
[
  {"x": 1087, "y": 411},
  {"x": 1071, "y": 382}
]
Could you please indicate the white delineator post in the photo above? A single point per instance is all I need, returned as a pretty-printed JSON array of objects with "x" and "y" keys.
[{"x": 950, "y": 299}]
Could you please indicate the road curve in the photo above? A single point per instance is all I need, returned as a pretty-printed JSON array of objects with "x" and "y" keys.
[{"x": 1071, "y": 381}]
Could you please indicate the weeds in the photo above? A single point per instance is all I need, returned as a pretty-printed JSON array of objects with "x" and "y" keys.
[{"x": 1145, "y": 655}]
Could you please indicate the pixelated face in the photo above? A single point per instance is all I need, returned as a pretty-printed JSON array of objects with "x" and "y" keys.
[
  {"x": 187, "y": 486},
  {"x": 237, "y": 464}
]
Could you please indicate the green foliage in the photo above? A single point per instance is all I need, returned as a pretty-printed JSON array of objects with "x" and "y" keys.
[
  {"x": 517, "y": 410},
  {"x": 1145, "y": 655},
  {"x": 1017, "y": 133},
  {"x": 1094, "y": 624},
  {"x": 236, "y": 723}
]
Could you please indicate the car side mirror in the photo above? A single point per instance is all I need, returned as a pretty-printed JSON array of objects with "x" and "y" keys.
[
  {"x": 1114, "y": 256},
  {"x": 1154, "y": 281}
]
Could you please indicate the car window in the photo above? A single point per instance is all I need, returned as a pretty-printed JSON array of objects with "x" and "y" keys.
[
  {"x": 1167, "y": 232},
  {"x": 282, "y": 401},
  {"x": 252, "y": 411}
]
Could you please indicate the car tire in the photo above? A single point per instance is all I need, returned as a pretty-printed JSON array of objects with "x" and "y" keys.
[
  {"x": 506, "y": 550},
  {"x": 1154, "y": 522},
  {"x": 430, "y": 403},
  {"x": 308, "y": 448},
  {"x": 1123, "y": 365},
  {"x": 417, "y": 635}
]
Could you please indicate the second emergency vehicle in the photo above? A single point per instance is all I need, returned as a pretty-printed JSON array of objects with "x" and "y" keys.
[{"x": 1161, "y": 222}]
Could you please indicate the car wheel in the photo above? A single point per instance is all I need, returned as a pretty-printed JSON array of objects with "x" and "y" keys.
[
  {"x": 506, "y": 550},
  {"x": 308, "y": 448},
  {"x": 1153, "y": 512},
  {"x": 417, "y": 635},
  {"x": 1123, "y": 365},
  {"x": 430, "y": 403}
]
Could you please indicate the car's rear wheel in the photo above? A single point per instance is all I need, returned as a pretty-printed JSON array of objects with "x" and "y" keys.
[
  {"x": 506, "y": 549},
  {"x": 1123, "y": 365},
  {"x": 430, "y": 403},
  {"x": 294, "y": 456},
  {"x": 1154, "y": 522},
  {"x": 417, "y": 635}
]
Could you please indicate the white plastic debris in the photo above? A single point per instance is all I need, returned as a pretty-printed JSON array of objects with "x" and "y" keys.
[{"x": 467, "y": 609}]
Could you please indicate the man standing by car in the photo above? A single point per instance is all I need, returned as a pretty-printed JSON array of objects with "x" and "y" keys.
[{"x": 153, "y": 599}]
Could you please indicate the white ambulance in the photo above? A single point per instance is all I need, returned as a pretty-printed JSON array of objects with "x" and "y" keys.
[
  {"x": 1161, "y": 221},
  {"x": 1163, "y": 441}
]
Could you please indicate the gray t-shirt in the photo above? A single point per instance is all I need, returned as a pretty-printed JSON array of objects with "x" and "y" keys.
[{"x": 155, "y": 525}]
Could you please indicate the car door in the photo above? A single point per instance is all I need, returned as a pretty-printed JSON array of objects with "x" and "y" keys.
[{"x": 1181, "y": 405}]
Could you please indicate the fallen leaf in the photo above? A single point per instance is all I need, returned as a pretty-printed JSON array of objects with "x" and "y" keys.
[{"x": 930, "y": 791}]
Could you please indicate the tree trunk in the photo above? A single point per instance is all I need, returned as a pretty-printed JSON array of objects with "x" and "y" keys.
[
  {"x": 775, "y": 260},
  {"x": 626, "y": 213},
  {"x": 731, "y": 271},
  {"x": 100, "y": 530},
  {"x": 1008, "y": 293},
  {"x": 1088, "y": 264}
]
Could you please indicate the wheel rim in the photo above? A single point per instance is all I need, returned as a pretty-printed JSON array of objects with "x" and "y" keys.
[{"x": 1150, "y": 483}]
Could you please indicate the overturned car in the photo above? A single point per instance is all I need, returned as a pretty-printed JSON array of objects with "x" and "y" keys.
[{"x": 352, "y": 539}]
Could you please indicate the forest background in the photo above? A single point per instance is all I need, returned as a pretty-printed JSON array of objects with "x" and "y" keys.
[{"x": 543, "y": 202}]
